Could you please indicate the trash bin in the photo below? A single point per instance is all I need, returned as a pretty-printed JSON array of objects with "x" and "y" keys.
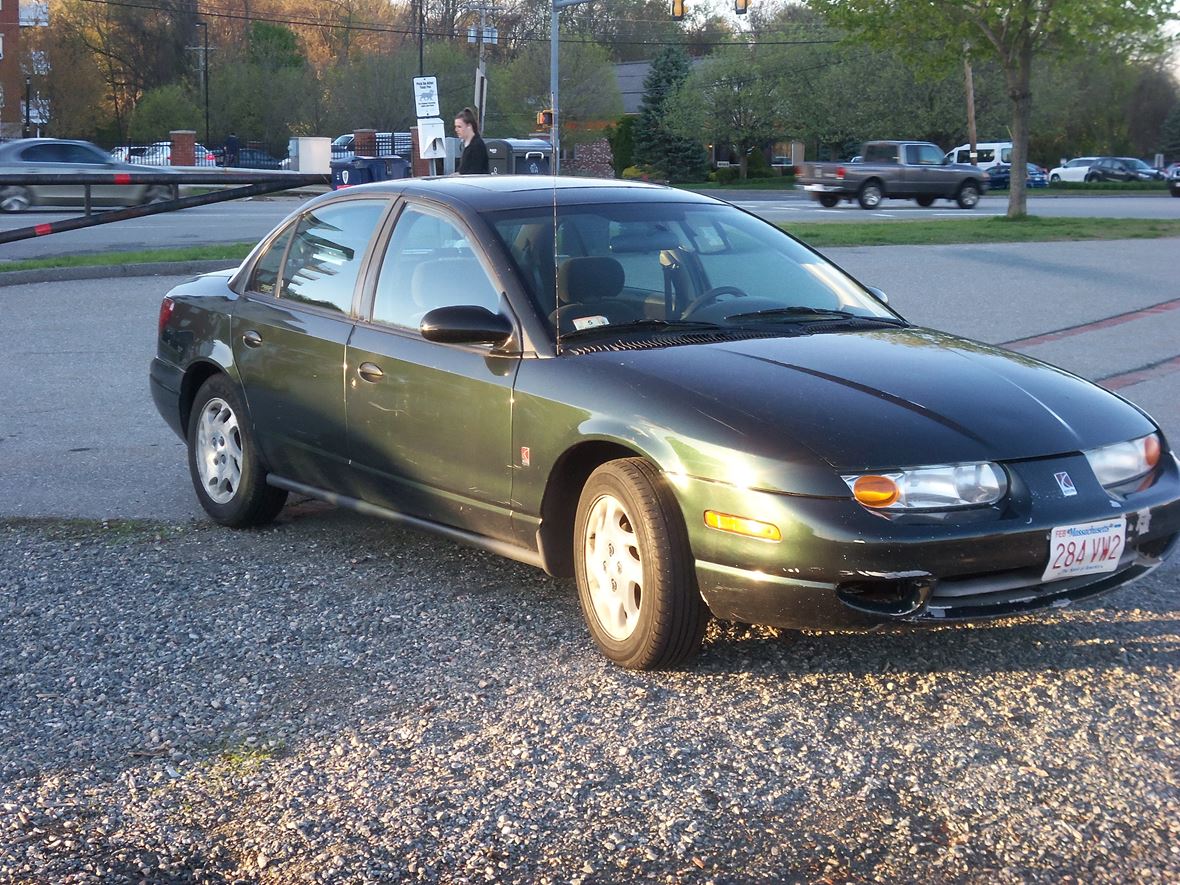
[
  {"x": 362, "y": 170},
  {"x": 518, "y": 156}
]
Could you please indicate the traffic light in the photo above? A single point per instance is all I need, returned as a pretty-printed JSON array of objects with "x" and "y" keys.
[
  {"x": 739, "y": 6},
  {"x": 544, "y": 118},
  {"x": 677, "y": 10}
]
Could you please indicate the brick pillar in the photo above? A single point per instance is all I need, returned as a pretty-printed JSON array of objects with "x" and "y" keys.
[
  {"x": 364, "y": 143},
  {"x": 184, "y": 147},
  {"x": 418, "y": 166}
]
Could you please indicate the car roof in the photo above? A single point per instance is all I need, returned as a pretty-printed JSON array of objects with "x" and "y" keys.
[
  {"x": 10, "y": 147},
  {"x": 495, "y": 192}
]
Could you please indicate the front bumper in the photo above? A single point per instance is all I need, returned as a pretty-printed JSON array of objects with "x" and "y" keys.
[{"x": 842, "y": 567}]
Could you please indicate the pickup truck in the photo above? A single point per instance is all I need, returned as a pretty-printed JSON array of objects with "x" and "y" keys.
[{"x": 905, "y": 170}]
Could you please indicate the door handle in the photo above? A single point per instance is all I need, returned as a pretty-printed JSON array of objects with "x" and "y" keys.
[
  {"x": 370, "y": 372},
  {"x": 251, "y": 339}
]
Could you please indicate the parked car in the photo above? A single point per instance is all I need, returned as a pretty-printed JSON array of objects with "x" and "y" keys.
[
  {"x": 160, "y": 154},
  {"x": 248, "y": 158},
  {"x": 1174, "y": 179},
  {"x": 681, "y": 406},
  {"x": 1074, "y": 170},
  {"x": 1000, "y": 176},
  {"x": 54, "y": 155},
  {"x": 904, "y": 170},
  {"x": 1122, "y": 169},
  {"x": 987, "y": 154}
]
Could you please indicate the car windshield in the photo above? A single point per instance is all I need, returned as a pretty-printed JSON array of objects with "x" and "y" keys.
[
  {"x": 1137, "y": 165},
  {"x": 649, "y": 266}
]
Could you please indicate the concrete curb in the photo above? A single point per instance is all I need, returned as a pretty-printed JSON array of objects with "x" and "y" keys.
[{"x": 112, "y": 271}]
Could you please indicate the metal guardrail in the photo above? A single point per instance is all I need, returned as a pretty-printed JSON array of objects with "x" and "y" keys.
[{"x": 255, "y": 183}]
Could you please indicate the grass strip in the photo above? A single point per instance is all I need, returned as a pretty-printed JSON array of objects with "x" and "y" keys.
[
  {"x": 1030, "y": 229},
  {"x": 230, "y": 252}
]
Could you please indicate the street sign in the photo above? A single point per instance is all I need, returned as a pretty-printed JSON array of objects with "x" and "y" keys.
[
  {"x": 426, "y": 97},
  {"x": 481, "y": 94}
]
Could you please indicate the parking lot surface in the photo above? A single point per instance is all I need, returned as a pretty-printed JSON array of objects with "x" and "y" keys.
[{"x": 334, "y": 699}]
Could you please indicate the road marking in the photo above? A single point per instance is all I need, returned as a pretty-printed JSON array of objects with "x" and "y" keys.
[
  {"x": 1146, "y": 373},
  {"x": 1116, "y": 320}
]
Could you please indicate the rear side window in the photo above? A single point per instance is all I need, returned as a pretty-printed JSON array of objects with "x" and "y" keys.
[
  {"x": 266, "y": 272},
  {"x": 326, "y": 251}
]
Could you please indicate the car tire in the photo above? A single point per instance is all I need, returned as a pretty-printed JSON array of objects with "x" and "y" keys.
[
  {"x": 636, "y": 581},
  {"x": 828, "y": 201},
  {"x": 1090, "y": 179},
  {"x": 160, "y": 193},
  {"x": 1054, "y": 179},
  {"x": 968, "y": 196},
  {"x": 15, "y": 199},
  {"x": 924, "y": 202},
  {"x": 223, "y": 461},
  {"x": 870, "y": 195}
]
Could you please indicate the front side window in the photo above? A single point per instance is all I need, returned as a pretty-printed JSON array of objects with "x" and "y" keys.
[
  {"x": 923, "y": 155},
  {"x": 265, "y": 278},
  {"x": 429, "y": 263},
  {"x": 326, "y": 251}
]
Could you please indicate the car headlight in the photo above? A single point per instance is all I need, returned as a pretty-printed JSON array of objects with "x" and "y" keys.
[
  {"x": 1122, "y": 463},
  {"x": 930, "y": 488}
]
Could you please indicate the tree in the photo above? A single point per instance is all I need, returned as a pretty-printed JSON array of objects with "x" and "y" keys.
[
  {"x": 1170, "y": 135},
  {"x": 936, "y": 34},
  {"x": 678, "y": 154},
  {"x": 732, "y": 99},
  {"x": 162, "y": 110}
]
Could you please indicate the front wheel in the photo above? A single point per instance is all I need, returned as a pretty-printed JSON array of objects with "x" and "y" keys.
[
  {"x": 15, "y": 199},
  {"x": 223, "y": 459},
  {"x": 828, "y": 201},
  {"x": 1054, "y": 179},
  {"x": 968, "y": 196},
  {"x": 870, "y": 195},
  {"x": 157, "y": 194},
  {"x": 634, "y": 569}
]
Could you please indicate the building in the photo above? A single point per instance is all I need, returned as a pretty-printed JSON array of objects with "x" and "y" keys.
[{"x": 20, "y": 70}]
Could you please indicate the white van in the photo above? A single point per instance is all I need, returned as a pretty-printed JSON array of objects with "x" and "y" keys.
[{"x": 990, "y": 153}]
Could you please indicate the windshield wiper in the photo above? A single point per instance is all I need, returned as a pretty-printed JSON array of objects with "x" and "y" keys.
[
  {"x": 642, "y": 326},
  {"x": 801, "y": 313}
]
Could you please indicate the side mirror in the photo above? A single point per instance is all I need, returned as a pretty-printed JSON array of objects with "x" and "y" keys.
[
  {"x": 465, "y": 324},
  {"x": 878, "y": 294}
]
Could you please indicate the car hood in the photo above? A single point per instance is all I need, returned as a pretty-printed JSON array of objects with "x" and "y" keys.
[{"x": 890, "y": 397}]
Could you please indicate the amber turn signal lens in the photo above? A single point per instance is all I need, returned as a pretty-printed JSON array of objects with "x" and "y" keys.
[
  {"x": 1151, "y": 450},
  {"x": 740, "y": 525},
  {"x": 876, "y": 491}
]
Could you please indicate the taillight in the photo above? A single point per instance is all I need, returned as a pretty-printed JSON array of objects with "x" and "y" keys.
[
  {"x": 166, "y": 308},
  {"x": 840, "y": 171}
]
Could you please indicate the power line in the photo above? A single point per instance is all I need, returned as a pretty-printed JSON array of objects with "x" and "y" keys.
[{"x": 376, "y": 27}]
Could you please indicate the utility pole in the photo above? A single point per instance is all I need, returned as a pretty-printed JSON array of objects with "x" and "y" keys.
[
  {"x": 554, "y": 132},
  {"x": 969, "y": 83},
  {"x": 28, "y": 104},
  {"x": 484, "y": 9},
  {"x": 421, "y": 36},
  {"x": 205, "y": 73}
]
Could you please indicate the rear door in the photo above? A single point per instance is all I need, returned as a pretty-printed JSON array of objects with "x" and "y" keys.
[
  {"x": 289, "y": 336},
  {"x": 430, "y": 424}
]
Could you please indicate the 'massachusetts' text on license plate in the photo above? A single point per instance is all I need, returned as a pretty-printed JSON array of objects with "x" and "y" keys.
[{"x": 1085, "y": 549}]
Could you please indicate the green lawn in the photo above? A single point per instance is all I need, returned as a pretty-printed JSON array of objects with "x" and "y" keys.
[
  {"x": 230, "y": 252},
  {"x": 1032, "y": 228}
]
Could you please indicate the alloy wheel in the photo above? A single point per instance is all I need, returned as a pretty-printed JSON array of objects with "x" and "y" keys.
[
  {"x": 614, "y": 567},
  {"x": 218, "y": 452}
]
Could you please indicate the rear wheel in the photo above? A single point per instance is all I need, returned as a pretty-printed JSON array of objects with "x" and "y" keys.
[
  {"x": 636, "y": 583},
  {"x": 968, "y": 195},
  {"x": 925, "y": 201},
  {"x": 828, "y": 201},
  {"x": 223, "y": 459},
  {"x": 15, "y": 199},
  {"x": 870, "y": 195},
  {"x": 158, "y": 194}
]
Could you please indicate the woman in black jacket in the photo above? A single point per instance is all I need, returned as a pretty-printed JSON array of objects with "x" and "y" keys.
[{"x": 474, "y": 159}]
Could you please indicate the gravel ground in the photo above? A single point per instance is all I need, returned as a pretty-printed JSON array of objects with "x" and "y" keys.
[{"x": 339, "y": 700}]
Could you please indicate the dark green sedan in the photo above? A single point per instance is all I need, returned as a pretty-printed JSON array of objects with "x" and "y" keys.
[{"x": 675, "y": 402}]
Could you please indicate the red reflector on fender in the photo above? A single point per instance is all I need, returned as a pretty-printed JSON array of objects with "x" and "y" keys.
[
  {"x": 122, "y": 178},
  {"x": 43, "y": 229}
]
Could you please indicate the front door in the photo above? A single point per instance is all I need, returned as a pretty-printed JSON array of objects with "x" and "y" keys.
[{"x": 430, "y": 425}]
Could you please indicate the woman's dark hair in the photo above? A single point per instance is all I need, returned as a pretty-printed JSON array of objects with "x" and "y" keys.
[{"x": 467, "y": 115}]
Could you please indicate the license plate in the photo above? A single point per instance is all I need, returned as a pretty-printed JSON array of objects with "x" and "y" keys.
[{"x": 1089, "y": 548}]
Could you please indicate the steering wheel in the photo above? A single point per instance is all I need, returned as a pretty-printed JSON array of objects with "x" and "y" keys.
[{"x": 711, "y": 297}]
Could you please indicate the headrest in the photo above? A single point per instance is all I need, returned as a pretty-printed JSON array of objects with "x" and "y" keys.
[
  {"x": 444, "y": 282},
  {"x": 586, "y": 280}
]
